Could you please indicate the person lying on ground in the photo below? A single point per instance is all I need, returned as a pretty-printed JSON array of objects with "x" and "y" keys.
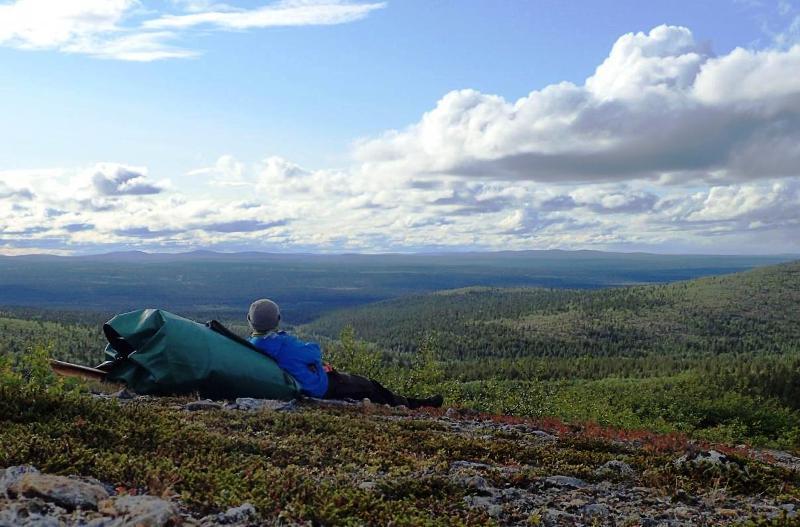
[{"x": 303, "y": 361}]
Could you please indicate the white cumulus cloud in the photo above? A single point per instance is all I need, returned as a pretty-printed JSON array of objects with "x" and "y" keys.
[
  {"x": 117, "y": 180},
  {"x": 660, "y": 107}
]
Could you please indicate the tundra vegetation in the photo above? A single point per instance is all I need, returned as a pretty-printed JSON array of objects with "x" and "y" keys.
[
  {"x": 368, "y": 464},
  {"x": 711, "y": 360}
]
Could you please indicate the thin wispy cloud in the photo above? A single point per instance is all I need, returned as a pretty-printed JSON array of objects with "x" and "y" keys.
[
  {"x": 135, "y": 30},
  {"x": 281, "y": 14}
]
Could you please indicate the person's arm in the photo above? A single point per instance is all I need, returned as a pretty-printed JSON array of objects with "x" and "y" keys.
[
  {"x": 311, "y": 354},
  {"x": 314, "y": 351}
]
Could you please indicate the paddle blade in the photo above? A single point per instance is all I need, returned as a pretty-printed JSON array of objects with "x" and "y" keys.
[{"x": 66, "y": 369}]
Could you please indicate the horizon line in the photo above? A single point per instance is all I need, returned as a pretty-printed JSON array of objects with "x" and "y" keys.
[{"x": 388, "y": 253}]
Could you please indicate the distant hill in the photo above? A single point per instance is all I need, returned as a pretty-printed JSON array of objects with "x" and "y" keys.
[
  {"x": 751, "y": 312},
  {"x": 307, "y": 285}
]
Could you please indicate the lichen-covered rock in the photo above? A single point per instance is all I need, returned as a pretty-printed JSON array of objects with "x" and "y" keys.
[
  {"x": 488, "y": 503},
  {"x": 125, "y": 394},
  {"x": 250, "y": 404},
  {"x": 140, "y": 511},
  {"x": 199, "y": 406},
  {"x": 595, "y": 510},
  {"x": 65, "y": 492},
  {"x": 615, "y": 469},
  {"x": 543, "y": 436},
  {"x": 710, "y": 458},
  {"x": 779, "y": 458},
  {"x": 315, "y": 401},
  {"x": 565, "y": 481},
  {"x": 553, "y": 517},
  {"x": 12, "y": 475},
  {"x": 355, "y": 467},
  {"x": 30, "y": 513},
  {"x": 241, "y": 516},
  {"x": 469, "y": 465},
  {"x": 474, "y": 483}
]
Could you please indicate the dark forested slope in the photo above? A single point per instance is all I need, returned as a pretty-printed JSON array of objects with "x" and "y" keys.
[{"x": 753, "y": 311}]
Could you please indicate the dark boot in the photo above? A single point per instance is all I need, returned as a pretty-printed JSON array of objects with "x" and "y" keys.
[{"x": 433, "y": 402}]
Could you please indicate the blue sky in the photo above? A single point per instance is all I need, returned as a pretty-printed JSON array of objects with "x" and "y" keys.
[
  {"x": 307, "y": 92},
  {"x": 207, "y": 110}
]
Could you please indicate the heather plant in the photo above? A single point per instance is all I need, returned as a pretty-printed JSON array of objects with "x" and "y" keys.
[
  {"x": 30, "y": 372},
  {"x": 308, "y": 467},
  {"x": 354, "y": 356},
  {"x": 531, "y": 398},
  {"x": 424, "y": 375},
  {"x": 421, "y": 376}
]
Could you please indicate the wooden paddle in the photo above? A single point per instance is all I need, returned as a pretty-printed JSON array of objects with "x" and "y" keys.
[{"x": 67, "y": 369}]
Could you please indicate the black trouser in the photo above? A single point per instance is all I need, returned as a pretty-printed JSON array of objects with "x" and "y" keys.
[{"x": 347, "y": 386}]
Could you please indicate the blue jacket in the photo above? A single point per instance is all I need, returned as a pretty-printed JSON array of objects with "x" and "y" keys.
[{"x": 303, "y": 360}]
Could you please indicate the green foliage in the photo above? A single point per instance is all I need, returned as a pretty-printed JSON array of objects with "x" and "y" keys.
[
  {"x": 426, "y": 373},
  {"x": 292, "y": 467},
  {"x": 715, "y": 358},
  {"x": 31, "y": 372},
  {"x": 306, "y": 467},
  {"x": 73, "y": 342},
  {"x": 686, "y": 403},
  {"x": 700, "y": 404},
  {"x": 421, "y": 377},
  {"x": 528, "y": 398},
  {"x": 493, "y": 332},
  {"x": 351, "y": 355}
]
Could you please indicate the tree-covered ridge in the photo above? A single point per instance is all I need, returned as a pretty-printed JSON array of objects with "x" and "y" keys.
[{"x": 754, "y": 311}]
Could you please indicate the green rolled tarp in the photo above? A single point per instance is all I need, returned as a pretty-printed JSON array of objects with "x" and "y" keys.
[{"x": 158, "y": 353}]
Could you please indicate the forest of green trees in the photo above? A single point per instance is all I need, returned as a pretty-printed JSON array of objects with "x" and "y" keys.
[
  {"x": 719, "y": 354},
  {"x": 755, "y": 311},
  {"x": 703, "y": 324},
  {"x": 715, "y": 357}
]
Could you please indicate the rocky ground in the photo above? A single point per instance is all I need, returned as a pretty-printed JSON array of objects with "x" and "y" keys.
[
  {"x": 539, "y": 474},
  {"x": 30, "y": 498}
]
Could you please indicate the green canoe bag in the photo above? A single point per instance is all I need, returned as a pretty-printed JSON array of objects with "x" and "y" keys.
[{"x": 157, "y": 353}]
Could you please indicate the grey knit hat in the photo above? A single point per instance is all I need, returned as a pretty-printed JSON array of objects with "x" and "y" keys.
[{"x": 263, "y": 316}]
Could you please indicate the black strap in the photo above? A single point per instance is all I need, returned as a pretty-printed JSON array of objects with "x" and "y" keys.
[{"x": 217, "y": 326}]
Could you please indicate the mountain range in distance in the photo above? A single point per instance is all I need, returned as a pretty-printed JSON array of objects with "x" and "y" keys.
[{"x": 582, "y": 254}]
